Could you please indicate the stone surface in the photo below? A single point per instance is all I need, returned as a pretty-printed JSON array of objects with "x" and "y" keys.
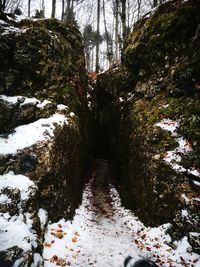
[
  {"x": 162, "y": 60},
  {"x": 42, "y": 66}
]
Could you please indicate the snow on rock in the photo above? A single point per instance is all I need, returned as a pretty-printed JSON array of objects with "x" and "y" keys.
[
  {"x": 11, "y": 99},
  {"x": 27, "y": 135},
  {"x": 21, "y": 182},
  {"x": 62, "y": 107},
  {"x": 25, "y": 100},
  {"x": 16, "y": 231},
  {"x": 105, "y": 235},
  {"x": 43, "y": 104},
  {"x": 173, "y": 158},
  {"x": 43, "y": 216},
  {"x": 37, "y": 260},
  {"x": 4, "y": 199},
  {"x": 196, "y": 183},
  {"x": 168, "y": 125}
]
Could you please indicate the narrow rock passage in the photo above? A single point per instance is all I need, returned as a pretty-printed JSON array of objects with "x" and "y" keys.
[{"x": 103, "y": 233}]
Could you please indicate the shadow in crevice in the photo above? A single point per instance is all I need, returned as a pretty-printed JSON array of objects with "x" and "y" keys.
[{"x": 102, "y": 147}]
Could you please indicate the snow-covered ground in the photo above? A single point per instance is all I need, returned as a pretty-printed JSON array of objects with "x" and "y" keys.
[{"x": 103, "y": 233}]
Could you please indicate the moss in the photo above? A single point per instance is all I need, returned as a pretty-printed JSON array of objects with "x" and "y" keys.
[
  {"x": 168, "y": 38},
  {"x": 146, "y": 114}
]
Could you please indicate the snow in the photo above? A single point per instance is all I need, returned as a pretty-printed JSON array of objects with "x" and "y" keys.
[
  {"x": 105, "y": 235},
  {"x": 16, "y": 231},
  {"x": 37, "y": 260},
  {"x": 27, "y": 135},
  {"x": 62, "y": 107},
  {"x": 30, "y": 101},
  {"x": 4, "y": 199},
  {"x": 173, "y": 158},
  {"x": 196, "y": 183},
  {"x": 43, "y": 104},
  {"x": 21, "y": 182},
  {"x": 3, "y": 22},
  {"x": 184, "y": 213},
  {"x": 24, "y": 100},
  {"x": 11, "y": 29},
  {"x": 71, "y": 114},
  {"x": 168, "y": 125},
  {"x": 42, "y": 214},
  {"x": 10, "y": 99},
  {"x": 195, "y": 172}
]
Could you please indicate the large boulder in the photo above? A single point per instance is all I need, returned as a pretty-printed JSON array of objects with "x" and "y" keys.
[
  {"x": 152, "y": 119},
  {"x": 44, "y": 132}
]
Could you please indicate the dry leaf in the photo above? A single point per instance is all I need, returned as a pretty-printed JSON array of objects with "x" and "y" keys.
[
  {"x": 47, "y": 245},
  {"x": 74, "y": 239}
]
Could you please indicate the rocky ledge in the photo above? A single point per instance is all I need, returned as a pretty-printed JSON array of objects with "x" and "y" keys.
[
  {"x": 44, "y": 132},
  {"x": 152, "y": 119}
]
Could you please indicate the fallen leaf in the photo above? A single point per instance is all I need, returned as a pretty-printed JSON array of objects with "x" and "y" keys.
[
  {"x": 54, "y": 258},
  {"x": 77, "y": 234},
  {"x": 47, "y": 245},
  {"x": 74, "y": 239}
]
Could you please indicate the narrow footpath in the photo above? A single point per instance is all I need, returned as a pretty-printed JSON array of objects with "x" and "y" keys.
[{"x": 103, "y": 233}]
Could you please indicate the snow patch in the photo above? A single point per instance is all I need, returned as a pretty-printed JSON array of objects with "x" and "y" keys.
[
  {"x": 4, "y": 199},
  {"x": 25, "y": 100},
  {"x": 62, "y": 107},
  {"x": 43, "y": 216},
  {"x": 16, "y": 231},
  {"x": 173, "y": 158},
  {"x": 21, "y": 182},
  {"x": 27, "y": 135},
  {"x": 168, "y": 125}
]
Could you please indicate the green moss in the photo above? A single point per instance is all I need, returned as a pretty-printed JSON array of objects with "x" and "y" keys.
[{"x": 167, "y": 40}]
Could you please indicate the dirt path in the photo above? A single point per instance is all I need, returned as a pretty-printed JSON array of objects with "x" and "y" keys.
[{"x": 103, "y": 233}]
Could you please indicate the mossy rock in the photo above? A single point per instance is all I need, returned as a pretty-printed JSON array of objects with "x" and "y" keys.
[{"x": 169, "y": 37}]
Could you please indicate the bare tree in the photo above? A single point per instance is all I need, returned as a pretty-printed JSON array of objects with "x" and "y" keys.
[
  {"x": 98, "y": 35},
  {"x": 107, "y": 38},
  {"x": 7, "y": 5},
  {"x": 53, "y": 12},
  {"x": 116, "y": 15},
  {"x": 123, "y": 18},
  {"x": 29, "y": 8}
]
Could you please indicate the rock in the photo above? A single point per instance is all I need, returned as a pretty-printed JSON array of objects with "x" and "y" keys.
[
  {"x": 42, "y": 76},
  {"x": 157, "y": 157},
  {"x": 163, "y": 66}
]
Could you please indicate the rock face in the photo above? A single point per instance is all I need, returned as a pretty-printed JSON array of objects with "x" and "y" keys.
[
  {"x": 44, "y": 132},
  {"x": 152, "y": 119}
]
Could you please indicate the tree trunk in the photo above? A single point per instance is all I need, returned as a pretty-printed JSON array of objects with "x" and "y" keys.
[
  {"x": 138, "y": 8},
  {"x": 2, "y": 5},
  {"x": 117, "y": 31},
  {"x": 155, "y": 3},
  {"x": 97, "y": 41},
  {"x": 123, "y": 18},
  {"x": 29, "y": 8},
  {"x": 53, "y": 12},
  {"x": 63, "y": 10},
  {"x": 109, "y": 52}
]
